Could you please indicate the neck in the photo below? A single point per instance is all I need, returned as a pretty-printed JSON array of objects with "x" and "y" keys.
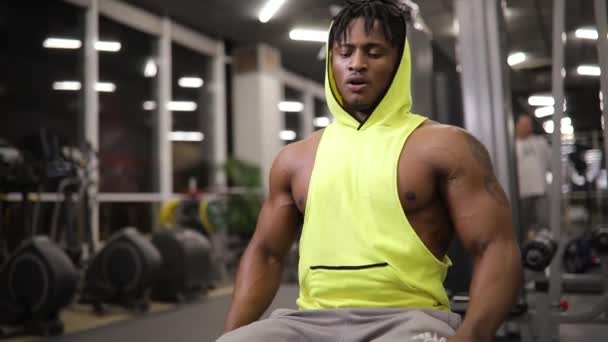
[{"x": 361, "y": 116}]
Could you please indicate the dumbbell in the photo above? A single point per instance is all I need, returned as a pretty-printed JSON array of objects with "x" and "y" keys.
[{"x": 539, "y": 252}]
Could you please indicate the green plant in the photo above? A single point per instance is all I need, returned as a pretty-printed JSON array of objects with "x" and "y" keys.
[{"x": 243, "y": 208}]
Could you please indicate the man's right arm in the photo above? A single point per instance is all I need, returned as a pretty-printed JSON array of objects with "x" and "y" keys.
[{"x": 259, "y": 274}]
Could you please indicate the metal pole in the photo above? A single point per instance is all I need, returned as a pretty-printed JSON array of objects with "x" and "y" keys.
[
  {"x": 504, "y": 135},
  {"x": 556, "y": 165},
  {"x": 602, "y": 46},
  {"x": 165, "y": 156},
  {"x": 220, "y": 129},
  {"x": 91, "y": 111}
]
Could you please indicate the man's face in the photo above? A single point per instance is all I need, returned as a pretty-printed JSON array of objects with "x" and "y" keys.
[{"x": 363, "y": 66}]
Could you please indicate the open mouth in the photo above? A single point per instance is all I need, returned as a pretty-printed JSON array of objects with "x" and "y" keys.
[{"x": 357, "y": 84}]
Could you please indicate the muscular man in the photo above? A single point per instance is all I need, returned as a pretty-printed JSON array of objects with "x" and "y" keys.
[{"x": 381, "y": 192}]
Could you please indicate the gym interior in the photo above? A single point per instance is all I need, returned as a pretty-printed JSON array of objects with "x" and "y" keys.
[{"x": 136, "y": 139}]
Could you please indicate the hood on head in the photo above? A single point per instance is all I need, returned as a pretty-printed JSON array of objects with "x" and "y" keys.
[{"x": 396, "y": 103}]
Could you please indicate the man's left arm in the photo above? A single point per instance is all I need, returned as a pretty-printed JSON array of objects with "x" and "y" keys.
[{"x": 481, "y": 216}]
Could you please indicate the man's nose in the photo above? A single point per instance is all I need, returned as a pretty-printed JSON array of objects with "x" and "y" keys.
[{"x": 358, "y": 61}]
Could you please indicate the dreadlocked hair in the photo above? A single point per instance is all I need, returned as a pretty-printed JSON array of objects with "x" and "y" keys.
[{"x": 391, "y": 15}]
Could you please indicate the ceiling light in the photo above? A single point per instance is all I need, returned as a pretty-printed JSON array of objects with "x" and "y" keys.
[
  {"x": 190, "y": 82},
  {"x": 309, "y": 35},
  {"x": 105, "y": 87},
  {"x": 566, "y": 126},
  {"x": 586, "y": 33},
  {"x": 107, "y": 46},
  {"x": 182, "y": 106},
  {"x": 287, "y": 135},
  {"x": 567, "y": 129},
  {"x": 186, "y": 136},
  {"x": 541, "y": 100},
  {"x": 321, "y": 121},
  {"x": 588, "y": 70},
  {"x": 548, "y": 126},
  {"x": 61, "y": 43},
  {"x": 149, "y": 105},
  {"x": 67, "y": 85},
  {"x": 541, "y": 112},
  {"x": 150, "y": 69},
  {"x": 516, "y": 58},
  {"x": 270, "y": 9},
  {"x": 291, "y": 106}
]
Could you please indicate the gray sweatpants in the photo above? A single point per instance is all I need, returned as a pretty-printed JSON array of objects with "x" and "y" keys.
[{"x": 380, "y": 325}]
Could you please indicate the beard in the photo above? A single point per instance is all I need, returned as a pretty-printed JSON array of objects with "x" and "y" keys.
[{"x": 359, "y": 105}]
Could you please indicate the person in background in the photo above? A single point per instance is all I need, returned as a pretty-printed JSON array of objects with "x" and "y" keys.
[{"x": 533, "y": 162}]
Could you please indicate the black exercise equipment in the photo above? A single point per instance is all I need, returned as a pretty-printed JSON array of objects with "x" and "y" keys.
[
  {"x": 123, "y": 272},
  {"x": 36, "y": 282},
  {"x": 539, "y": 252},
  {"x": 599, "y": 239},
  {"x": 578, "y": 255},
  {"x": 187, "y": 265}
]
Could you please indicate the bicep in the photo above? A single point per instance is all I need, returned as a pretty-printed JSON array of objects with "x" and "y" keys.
[
  {"x": 276, "y": 228},
  {"x": 479, "y": 208}
]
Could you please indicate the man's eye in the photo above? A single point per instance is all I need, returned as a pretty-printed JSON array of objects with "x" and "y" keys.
[{"x": 375, "y": 53}]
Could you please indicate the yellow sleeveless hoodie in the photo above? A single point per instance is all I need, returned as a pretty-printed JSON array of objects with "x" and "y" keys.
[{"x": 357, "y": 247}]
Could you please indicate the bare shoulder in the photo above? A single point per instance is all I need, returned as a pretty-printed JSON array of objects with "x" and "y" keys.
[
  {"x": 449, "y": 147},
  {"x": 305, "y": 147},
  {"x": 443, "y": 134},
  {"x": 293, "y": 155}
]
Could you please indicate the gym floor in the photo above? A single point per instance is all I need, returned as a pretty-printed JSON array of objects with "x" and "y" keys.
[{"x": 202, "y": 321}]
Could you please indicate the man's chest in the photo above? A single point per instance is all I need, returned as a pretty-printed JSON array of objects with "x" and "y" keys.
[{"x": 376, "y": 178}]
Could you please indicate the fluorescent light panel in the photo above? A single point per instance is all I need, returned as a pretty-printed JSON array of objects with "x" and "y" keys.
[
  {"x": 269, "y": 10},
  {"x": 287, "y": 135},
  {"x": 586, "y": 33},
  {"x": 70, "y": 43},
  {"x": 309, "y": 35},
  {"x": 150, "y": 69},
  {"x": 108, "y": 46},
  {"x": 516, "y": 58},
  {"x": 182, "y": 106},
  {"x": 186, "y": 136},
  {"x": 175, "y": 106},
  {"x": 541, "y": 112},
  {"x": 321, "y": 121},
  {"x": 149, "y": 105},
  {"x": 291, "y": 106},
  {"x": 61, "y": 43},
  {"x": 566, "y": 126},
  {"x": 541, "y": 100},
  {"x": 67, "y": 85},
  {"x": 106, "y": 87},
  {"x": 589, "y": 70},
  {"x": 190, "y": 82}
]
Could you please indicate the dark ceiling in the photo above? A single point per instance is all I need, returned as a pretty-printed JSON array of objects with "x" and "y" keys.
[{"x": 529, "y": 29}]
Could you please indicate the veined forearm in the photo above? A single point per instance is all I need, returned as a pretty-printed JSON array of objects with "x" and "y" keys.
[
  {"x": 493, "y": 291},
  {"x": 257, "y": 282}
]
